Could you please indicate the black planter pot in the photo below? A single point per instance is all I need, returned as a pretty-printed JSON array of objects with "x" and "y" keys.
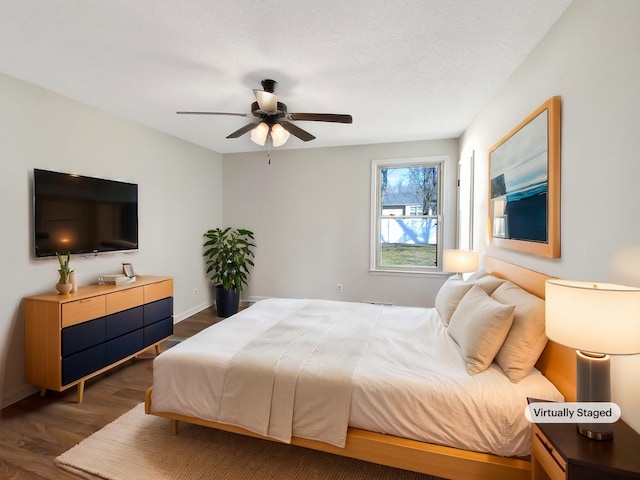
[{"x": 227, "y": 301}]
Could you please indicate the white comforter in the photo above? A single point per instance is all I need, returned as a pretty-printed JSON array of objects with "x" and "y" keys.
[
  {"x": 303, "y": 363},
  {"x": 409, "y": 379}
]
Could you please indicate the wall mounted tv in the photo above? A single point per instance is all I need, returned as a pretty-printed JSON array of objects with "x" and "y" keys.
[{"x": 83, "y": 215}]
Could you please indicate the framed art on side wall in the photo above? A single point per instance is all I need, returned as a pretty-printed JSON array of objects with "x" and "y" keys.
[{"x": 524, "y": 190}]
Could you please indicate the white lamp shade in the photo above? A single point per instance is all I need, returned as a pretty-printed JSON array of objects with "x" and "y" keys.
[
  {"x": 259, "y": 134},
  {"x": 459, "y": 261},
  {"x": 267, "y": 101},
  {"x": 279, "y": 135},
  {"x": 593, "y": 317}
]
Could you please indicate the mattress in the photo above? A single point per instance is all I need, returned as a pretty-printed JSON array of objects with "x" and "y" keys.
[{"x": 409, "y": 381}]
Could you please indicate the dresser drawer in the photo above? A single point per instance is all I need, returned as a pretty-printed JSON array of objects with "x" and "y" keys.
[
  {"x": 158, "y": 310},
  {"x": 83, "y": 363},
  {"x": 123, "y": 322},
  {"x": 83, "y": 310},
  {"x": 82, "y": 336},
  {"x": 123, "y": 346},
  {"x": 159, "y": 330},
  {"x": 544, "y": 453},
  {"x": 156, "y": 291},
  {"x": 124, "y": 299}
]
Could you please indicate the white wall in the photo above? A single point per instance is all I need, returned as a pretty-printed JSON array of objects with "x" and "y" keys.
[
  {"x": 310, "y": 208},
  {"x": 310, "y": 211},
  {"x": 180, "y": 197},
  {"x": 591, "y": 58}
]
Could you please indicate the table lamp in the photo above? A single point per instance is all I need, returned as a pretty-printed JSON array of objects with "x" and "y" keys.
[
  {"x": 597, "y": 320},
  {"x": 459, "y": 261}
]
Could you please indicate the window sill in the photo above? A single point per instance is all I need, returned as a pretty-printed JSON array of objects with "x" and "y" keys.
[{"x": 409, "y": 273}]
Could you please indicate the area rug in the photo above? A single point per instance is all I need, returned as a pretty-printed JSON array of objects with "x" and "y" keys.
[{"x": 137, "y": 446}]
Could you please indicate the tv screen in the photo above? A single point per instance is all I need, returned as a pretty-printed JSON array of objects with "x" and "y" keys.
[{"x": 80, "y": 214}]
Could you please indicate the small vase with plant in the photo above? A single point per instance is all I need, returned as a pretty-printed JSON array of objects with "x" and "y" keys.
[
  {"x": 229, "y": 255},
  {"x": 64, "y": 284}
]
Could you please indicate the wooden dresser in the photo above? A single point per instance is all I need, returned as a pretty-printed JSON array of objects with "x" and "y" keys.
[{"x": 72, "y": 338}]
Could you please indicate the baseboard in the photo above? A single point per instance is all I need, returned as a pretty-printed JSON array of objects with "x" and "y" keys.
[
  {"x": 18, "y": 395},
  {"x": 251, "y": 300},
  {"x": 192, "y": 311}
]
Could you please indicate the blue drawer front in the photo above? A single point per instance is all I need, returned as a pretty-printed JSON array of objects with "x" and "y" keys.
[
  {"x": 121, "y": 347},
  {"x": 82, "y": 336},
  {"x": 83, "y": 363},
  {"x": 124, "y": 322},
  {"x": 159, "y": 330},
  {"x": 158, "y": 310}
]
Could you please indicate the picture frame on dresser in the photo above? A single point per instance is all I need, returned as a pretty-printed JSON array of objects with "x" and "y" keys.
[
  {"x": 128, "y": 270},
  {"x": 524, "y": 184}
]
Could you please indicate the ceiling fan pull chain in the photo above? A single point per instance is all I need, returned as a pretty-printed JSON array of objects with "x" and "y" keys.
[{"x": 269, "y": 148}]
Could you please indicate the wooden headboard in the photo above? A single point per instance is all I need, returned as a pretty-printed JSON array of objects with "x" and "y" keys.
[{"x": 557, "y": 363}]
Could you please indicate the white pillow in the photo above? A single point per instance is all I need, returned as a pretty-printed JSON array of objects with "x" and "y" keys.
[
  {"x": 488, "y": 283},
  {"x": 449, "y": 296},
  {"x": 527, "y": 338},
  {"x": 479, "y": 326},
  {"x": 477, "y": 275}
]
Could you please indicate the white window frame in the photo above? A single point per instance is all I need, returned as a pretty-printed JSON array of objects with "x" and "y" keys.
[{"x": 376, "y": 203}]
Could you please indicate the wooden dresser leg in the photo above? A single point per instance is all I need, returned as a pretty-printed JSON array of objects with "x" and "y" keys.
[
  {"x": 80, "y": 391},
  {"x": 157, "y": 349}
]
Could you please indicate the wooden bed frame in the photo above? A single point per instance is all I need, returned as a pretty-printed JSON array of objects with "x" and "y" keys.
[{"x": 557, "y": 363}]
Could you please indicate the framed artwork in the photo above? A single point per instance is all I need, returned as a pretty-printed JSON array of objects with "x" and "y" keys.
[{"x": 524, "y": 189}]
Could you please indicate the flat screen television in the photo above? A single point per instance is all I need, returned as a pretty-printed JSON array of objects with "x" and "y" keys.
[{"x": 83, "y": 215}]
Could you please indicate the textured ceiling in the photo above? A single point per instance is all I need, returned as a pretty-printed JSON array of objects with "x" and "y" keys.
[{"x": 405, "y": 69}]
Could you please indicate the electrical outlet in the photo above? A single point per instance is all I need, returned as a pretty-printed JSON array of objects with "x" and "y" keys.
[
  {"x": 339, "y": 288},
  {"x": 195, "y": 292}
]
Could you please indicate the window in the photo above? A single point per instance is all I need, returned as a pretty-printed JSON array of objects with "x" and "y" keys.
[{"x": 406, "y": 214}]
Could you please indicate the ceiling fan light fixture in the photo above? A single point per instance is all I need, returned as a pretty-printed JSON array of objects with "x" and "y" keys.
[
  {"x": 267, "y": 101},
  {"x": 259, "y": 134},
  {"x": 279, "y": 135}
]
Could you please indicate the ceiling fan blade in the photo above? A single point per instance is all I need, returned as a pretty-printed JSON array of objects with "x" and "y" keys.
[
  {"x": 297, "y": 131},
  {"x": 215, "y": 113},
  {"x": 267, "y": 101},
  {"x": 243, "y": 130},
  {"x": 321, "y": 117}
]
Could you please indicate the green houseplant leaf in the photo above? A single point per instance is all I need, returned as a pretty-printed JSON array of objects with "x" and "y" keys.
[
  {"x": 228, "y": 254},
  {"x": 64, "y": 269}
]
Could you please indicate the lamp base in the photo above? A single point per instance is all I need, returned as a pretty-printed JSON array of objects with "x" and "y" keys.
[
  {"x": 584, "y": 430},
  {"x": 594, "y": 385}
]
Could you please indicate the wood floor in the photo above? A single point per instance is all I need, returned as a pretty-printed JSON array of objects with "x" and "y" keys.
[{"x": 37, "y": 429}]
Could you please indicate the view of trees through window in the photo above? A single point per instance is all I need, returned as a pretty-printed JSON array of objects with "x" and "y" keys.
[{"x": 408, "y": 215}]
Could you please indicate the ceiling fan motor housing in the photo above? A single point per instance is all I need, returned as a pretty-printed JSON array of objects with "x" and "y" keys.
[{"x": 269, "y": 85}]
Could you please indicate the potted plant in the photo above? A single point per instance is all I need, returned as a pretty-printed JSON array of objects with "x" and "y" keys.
[
  {"x": 64, "y": 284},
  {"x": 228, "y": 252}
]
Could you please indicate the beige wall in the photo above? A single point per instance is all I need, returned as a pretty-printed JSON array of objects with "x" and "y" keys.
[
  {"x": 591, "y": 58},
  {"x": 180, "y": 197}
]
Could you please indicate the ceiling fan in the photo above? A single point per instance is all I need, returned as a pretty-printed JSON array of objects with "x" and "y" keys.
[{"x": 272, "y": 119}]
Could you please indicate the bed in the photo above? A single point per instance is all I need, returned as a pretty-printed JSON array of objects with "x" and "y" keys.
[{"x": 419, "y": 435}]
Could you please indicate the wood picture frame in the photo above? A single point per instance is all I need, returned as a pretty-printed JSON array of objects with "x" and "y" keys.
[{"x": 524, "y": 184}]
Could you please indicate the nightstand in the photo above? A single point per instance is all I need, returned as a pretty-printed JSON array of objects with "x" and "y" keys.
[{"x": 559, "y": 452}]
